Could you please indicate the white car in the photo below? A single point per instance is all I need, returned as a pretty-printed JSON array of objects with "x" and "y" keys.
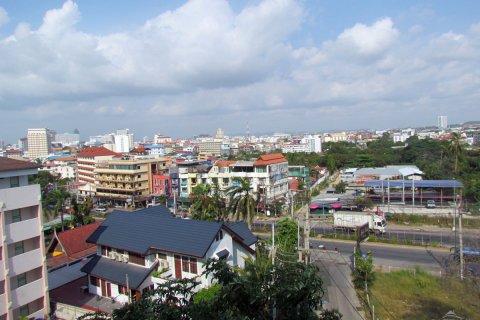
[{"x": 101, "y": 209}]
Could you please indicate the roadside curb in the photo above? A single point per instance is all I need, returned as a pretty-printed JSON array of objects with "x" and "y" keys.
[{"x": 389, "y": 245}]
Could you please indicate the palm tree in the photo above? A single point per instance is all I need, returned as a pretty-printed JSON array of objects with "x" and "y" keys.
[
  {"x": 202, "y": 202},
  {"x": 241, "y": 201},
  {"x": 456, "y": 147}
]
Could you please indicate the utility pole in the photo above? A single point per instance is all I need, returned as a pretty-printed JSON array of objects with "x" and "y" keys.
[
  {"x": 273, "y": 243},
  {"x": 460, "y": 234},
  {"x": 307, "y": 232}
]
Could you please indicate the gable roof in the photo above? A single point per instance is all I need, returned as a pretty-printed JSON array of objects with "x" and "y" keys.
[
  {"x": 97, "y": 152},
  {"x": 152, "y": 228},
  {"x": 8, "y": 164},
  {"x": 116, "y": 272},
  {"x": 74, "y": 241},
  {"x": 267, "y": 159},
  {"x": 224, "y": 163},
  {"x": 241, "y": 228}
]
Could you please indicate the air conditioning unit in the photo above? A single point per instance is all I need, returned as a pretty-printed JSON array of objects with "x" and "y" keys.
[
  {"x": 163, "y": 264},
  {"x": 125, "y": 259}
]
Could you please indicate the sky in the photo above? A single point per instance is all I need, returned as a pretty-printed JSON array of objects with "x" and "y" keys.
[{"x": 182, "y": 68}]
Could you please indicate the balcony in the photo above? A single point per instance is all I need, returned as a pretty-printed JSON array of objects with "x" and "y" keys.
[
  {"x": 2, "y": 272},
  {"x": 27, "y": 293},
  {"x": 25, "y": 262},
  {"x": 3, "y": 303},
  {"x": 22, "y": 230},
  {"x": 20, "y": 197}
]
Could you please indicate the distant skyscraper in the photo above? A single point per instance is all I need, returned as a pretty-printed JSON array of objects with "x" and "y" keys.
[
  {"x": 442, "y": 122},
  {"x": 39, "y": 142},
  {"x": 123, "y": 141},
  {"x": 67, "y": 139},
  {"x": 219, "y": 134}
]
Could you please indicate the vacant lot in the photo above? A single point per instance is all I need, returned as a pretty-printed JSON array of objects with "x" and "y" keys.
[{"x": 418, "y": 295}]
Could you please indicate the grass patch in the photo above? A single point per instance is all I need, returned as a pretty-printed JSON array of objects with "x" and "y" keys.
[
  {"x": 340, "y": 236},
  {"x": 415, "y": 294}
]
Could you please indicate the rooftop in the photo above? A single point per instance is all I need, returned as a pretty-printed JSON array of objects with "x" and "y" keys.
[
  {"x": 8, "y": 164},
  {"x": 97, "y": 152}
]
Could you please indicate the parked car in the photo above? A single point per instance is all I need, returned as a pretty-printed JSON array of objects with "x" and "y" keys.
[
  {"x": 101, "y": 209},
  {"x": 430, "y": 204}
]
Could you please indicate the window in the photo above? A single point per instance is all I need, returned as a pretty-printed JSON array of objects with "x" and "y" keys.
[
  {"x": 162, "y": 256},
  {"x": 189, "y": 265},
  {"x": 19, "y": 249},
  {"x": 16, "y": 216},
  {"x": 94, "y": 281},
  {"x": 219, "y": 236},
  {"x": 136, "y": 258},
  {"x": 122, "y": 290},
  {"x": 14, "y": 182},
  {"x": 24, "y": 311},
  {"x": 21, "y": 280}
]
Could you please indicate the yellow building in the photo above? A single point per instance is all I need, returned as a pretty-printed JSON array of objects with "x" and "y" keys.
[{"x": 127, "y": 181}]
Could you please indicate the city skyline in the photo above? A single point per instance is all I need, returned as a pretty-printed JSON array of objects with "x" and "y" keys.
[{"x": 185, "y": 68}]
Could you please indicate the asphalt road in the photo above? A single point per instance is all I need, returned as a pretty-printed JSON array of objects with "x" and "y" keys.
[
  {"x": 444, "y": 237},
  {"x": 391, "y": 257}
]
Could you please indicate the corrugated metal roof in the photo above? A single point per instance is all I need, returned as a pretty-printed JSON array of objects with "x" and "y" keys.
[
  {"x": 242, "y": 230},
  {"x": 149, "y": 228},
  {"x": 116, "y": 272},
  {"x": 417, "y": 183}
]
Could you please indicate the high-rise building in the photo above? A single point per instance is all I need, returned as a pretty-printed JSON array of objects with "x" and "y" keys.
[
  {"x": 23, "y": 275},
  {"x": 313, "y": 143},
  {"x": 123, "y": 141},
  {"x": 67, "y": 139},
  {"x": 442, "y": 122},
  {"x": 23, "y": 144},
  {"x": 39, "y": 143}
]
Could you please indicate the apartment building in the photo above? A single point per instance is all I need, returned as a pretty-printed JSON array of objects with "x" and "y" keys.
[
  {"x": 23, "y": 278},
  {"x": 39, "y": 142},
  {"x": 86, "y": 164},
  {"x": 268, "y": 175},
  {"x": 159, "y": 248},
  {"x": 127, "y": 180}
]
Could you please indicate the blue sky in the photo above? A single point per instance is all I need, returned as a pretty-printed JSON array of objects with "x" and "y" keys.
[{"x": 186, "y": 67}]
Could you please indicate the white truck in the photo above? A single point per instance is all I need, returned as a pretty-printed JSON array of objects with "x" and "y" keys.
[{"x": 352, "y": 220}]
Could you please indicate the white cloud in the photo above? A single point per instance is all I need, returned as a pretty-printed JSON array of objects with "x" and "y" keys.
[
  {"x": 369, "y": 39},
  {"x": 3, "y": 17},
  {"x": 206, "y": 61}
]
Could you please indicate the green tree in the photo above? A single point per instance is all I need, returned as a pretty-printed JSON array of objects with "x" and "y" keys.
[
  {"x": 341, "y": 187},
  {"x": 202, "y": 204},
  {"x": 456, "y": 148},
  {"x": 286, "y": 235},
  {"x": 363, "y": 273},
  {"x": 241, "y": 200},
  {"x": 331, "y": 164}
]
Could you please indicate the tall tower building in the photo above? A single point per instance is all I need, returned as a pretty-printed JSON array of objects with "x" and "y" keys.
[
  {"x": 123, "y": 141},
  {"x": 442, "y": 122},
  {"x": 23, "y": 275},
  {"x": 39, "y": 143}
]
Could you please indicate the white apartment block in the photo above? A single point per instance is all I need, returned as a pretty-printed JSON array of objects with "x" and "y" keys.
[
  {"x": 39, "y": 143},
  {"x": 442, "y": 122},
  {"x": 123, "y": 140},
  {"x": 313, "y": 143},
  {"x": 23, "y": 276}
]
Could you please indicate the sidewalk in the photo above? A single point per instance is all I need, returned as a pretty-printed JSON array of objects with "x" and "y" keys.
[{"x": 339, "y": 290}]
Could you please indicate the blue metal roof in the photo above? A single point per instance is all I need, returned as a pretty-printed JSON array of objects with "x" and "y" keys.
[
  {"x": 415, "y": 183},
  {"x": 242, "y": 230},
  {"x": 149, "y": 228},
  {"x": 116, "y": 272}
]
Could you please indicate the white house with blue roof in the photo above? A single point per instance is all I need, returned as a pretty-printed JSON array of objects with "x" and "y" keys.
[{"x": 137, "y": 251}]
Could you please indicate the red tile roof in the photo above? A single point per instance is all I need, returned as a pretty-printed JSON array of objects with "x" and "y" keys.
[
  {"x": 224, "y": 163},
  {"x": 74, "y": 242},
  {"x": 97, "y": 152},
  {"x": 13, "y": 151},
  {"x": 267, "y": 159},
  {"x": 8, "y": 164}
]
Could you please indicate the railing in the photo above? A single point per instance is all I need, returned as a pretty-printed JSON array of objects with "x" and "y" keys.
[
  {"x": 26, "y": 261},
  {"x": 27, "y": 293},
  {"x": 22, "y": 230}
]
